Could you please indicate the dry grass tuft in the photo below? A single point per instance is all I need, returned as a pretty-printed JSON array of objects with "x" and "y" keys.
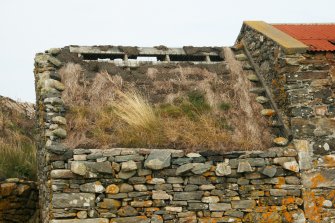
[
  {"x": 193, "y": 135},
  {"x": 135, "y": 111},
  {"x": 75, "y": 85},
  {"x": 83, "y": 91}
]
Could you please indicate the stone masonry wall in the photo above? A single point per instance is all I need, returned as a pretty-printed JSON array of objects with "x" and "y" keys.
[
  {"x": 18, "y": 201},
  {"x": 142, "y": 185},
  {"x": 50, "y": 120},
  {"x": 303, "y": 85},
  {"x": 288, "y": 184}
]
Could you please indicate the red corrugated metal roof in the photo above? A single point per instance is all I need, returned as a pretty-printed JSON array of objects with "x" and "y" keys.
[{"x": 319, "y": 37}]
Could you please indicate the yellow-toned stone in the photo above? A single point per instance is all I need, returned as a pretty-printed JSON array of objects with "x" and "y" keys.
[
  {"x": 4, "y": 204},
  {"x": 280, "y": 141},
  {"x": 7, "y": 188},
  {"x": 110, "y": 204},
  {"x": 112, "y": 189},
  {"x": 22, "y": 188},
  {"x": 268, "y": 112}
]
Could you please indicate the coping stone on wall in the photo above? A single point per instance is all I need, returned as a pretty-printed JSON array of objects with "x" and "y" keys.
[{"x": 287, "y": 42}]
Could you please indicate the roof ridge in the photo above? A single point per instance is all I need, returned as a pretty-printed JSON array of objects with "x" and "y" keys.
[{"x": 303, "y": 24}]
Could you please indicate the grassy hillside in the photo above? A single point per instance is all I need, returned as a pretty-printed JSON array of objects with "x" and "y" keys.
[{"x": 17, "y": 148}]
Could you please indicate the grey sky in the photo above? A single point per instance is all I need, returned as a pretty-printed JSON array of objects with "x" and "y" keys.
[{"x": 28, "y": 27}]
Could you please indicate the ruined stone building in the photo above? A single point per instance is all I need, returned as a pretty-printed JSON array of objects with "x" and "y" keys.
[{"x": 193, "y": 134}]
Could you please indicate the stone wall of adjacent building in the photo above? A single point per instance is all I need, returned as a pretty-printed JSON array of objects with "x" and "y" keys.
[
  {"x": 303, "y": 86},
  {"x": 18, "y": 201}
]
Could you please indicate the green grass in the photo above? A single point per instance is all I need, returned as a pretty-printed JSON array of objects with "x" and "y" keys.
[
  {"x": 224, "y": 106},
  {"x": 197, "y": 99},
  {"x": 193, "y": 106},
  {"x": 17, "y": 147},
  {"x": 18, "y": 160},
  {"x": 169, "y": 110}
]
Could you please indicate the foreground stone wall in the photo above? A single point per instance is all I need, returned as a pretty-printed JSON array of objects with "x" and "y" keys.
[
  {"x": 303, "y": 85},
  {"x": 18, "y": 201},
  {"x": 142, "y": 185}
]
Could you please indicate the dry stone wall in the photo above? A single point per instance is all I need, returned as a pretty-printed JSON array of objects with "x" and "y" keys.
[
  {"x": 303, "y": 85},
  {"x": 50, "y": 112},
  {"x": 143, "y": 185},
  {"x": 18, "y": 201},
  {"x": 283, "y": 184}
]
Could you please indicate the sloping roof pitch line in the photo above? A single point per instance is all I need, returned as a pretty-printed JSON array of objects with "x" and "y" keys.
[{"x": 319, "y": 37}]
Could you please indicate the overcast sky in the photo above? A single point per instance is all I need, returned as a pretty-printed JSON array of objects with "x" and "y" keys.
[{"x": 31, "y": 26}]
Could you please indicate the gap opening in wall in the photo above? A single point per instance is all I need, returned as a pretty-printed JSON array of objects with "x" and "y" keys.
[
  {"x": 152, "y": 58},
  {"x": 97, "y": 56},
  {"x": 193, "y": 58},
  {"x": 147, "y": 58},
  {"x": 215, "y": 58}
]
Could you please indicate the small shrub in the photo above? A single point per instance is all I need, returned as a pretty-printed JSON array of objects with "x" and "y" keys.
[{"x": 224, "y": 106}]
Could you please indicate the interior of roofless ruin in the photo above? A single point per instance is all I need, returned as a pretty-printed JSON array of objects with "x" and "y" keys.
[
  {"x": 190, "y": 134},
  {"x": 190, "y": 98}
]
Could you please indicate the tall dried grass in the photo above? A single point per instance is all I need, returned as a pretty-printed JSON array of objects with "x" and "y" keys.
[
  {"x": 18, "y": 160},
  {"x": 104, "y": 111},
  {"x": 192, "y": 135},
  {"x": 17, "y": 149},
  {"x": 133, "y": 109},
  {"x": 132, "y": 122},
  {"x": 75, "y": 84},
  {"x": 80, "y": 90}
]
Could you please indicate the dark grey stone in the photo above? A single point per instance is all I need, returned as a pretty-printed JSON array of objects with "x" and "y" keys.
[
  {"x": 181, "y": 161},
  {"x": 57, "y": 149},
  {"x": 197, "y": 206},
  {"x": 243, "y": 204},
  {"x": 244, "y": 166},
  {"x": 219, "y": 207},
  {"x": 184, "y": 168},
  {"x": 137, "y": 180},
  {"x": 269, "y": 171},
  {"x": 73, "y": 200},
  {"x": 158, "y": 159},
  {"x": 185, "y": 196},
  {"x": 101, "y": 167},
  {"x": 200, "y": 168},
  {"x": 198, "y": 180},
  {"x": 125, "y": 158},
  {"x": 191, "y": 188}
]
